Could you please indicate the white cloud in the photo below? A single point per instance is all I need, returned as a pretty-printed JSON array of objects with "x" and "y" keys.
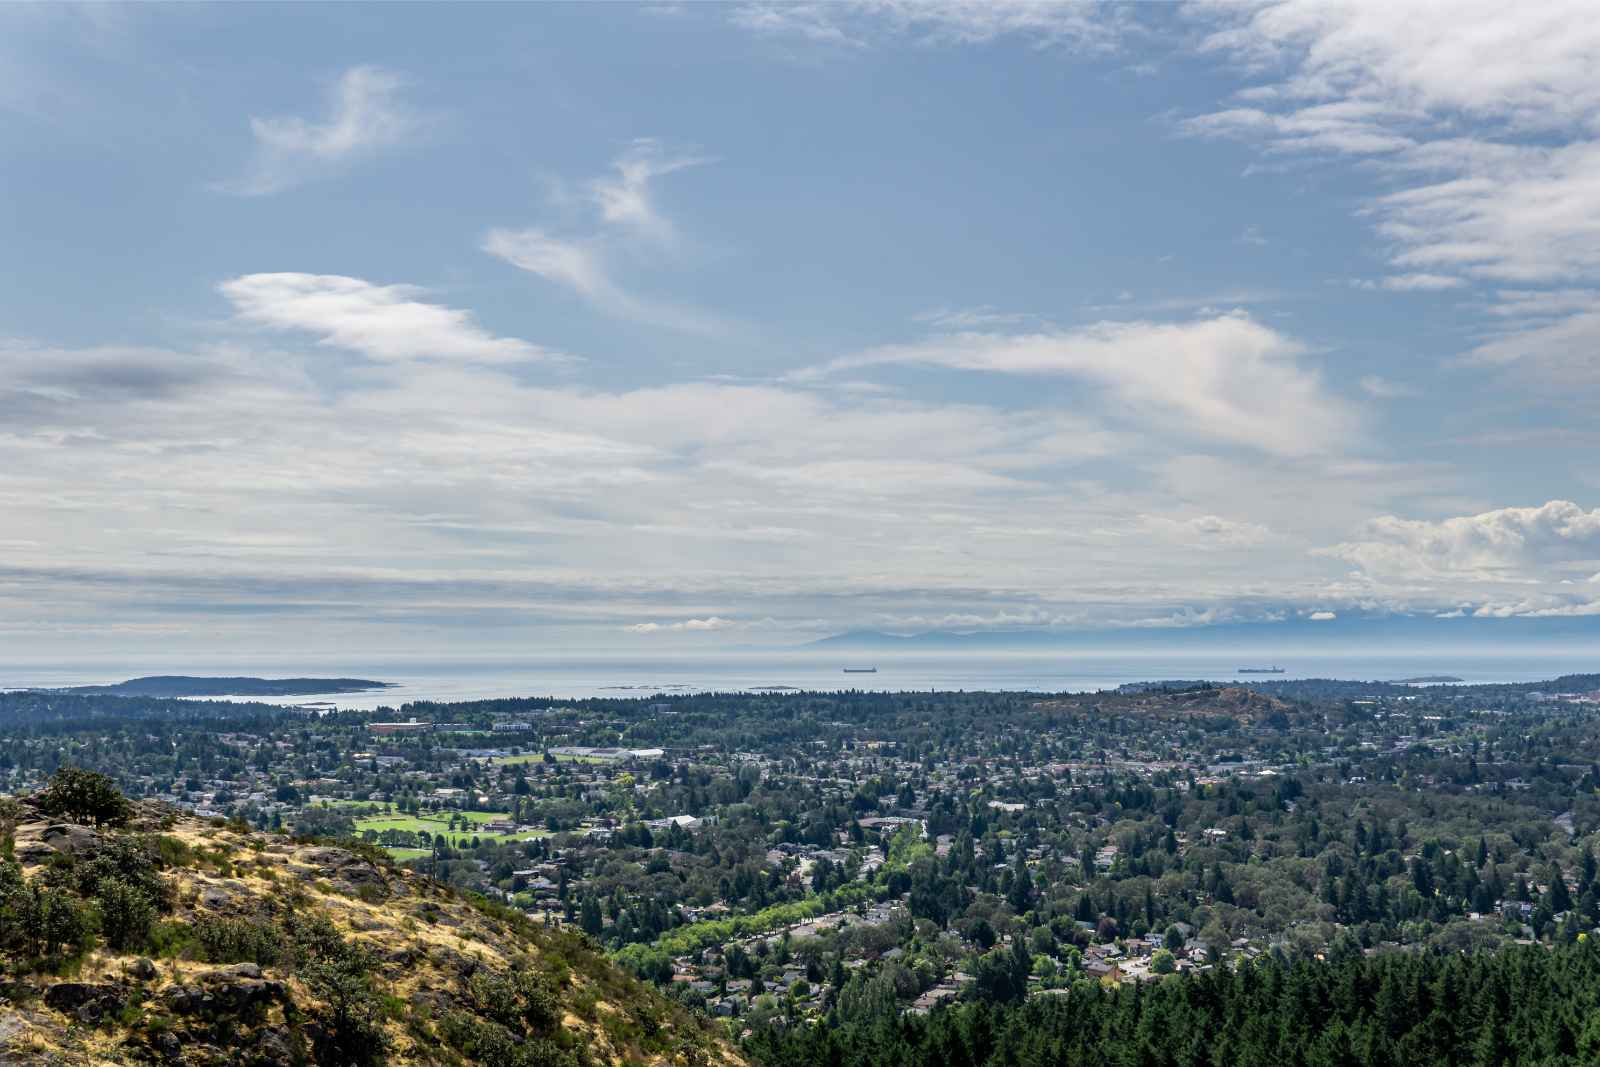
[
  {"x": 1545, "y": 338},
  {"x": 1560, "y": 352},
  {"x": 1529, "y": 66},
  {"x": 707, "y": 625},
  {"x": 581, "y": 267},
  {"x": 1228, "y": 378},
  {"x": 625, "y": 199},
  {"x": 1568, "y": 344},
  {"x": 1514, "y": 213},
  {"x": 1323, "y": 616},
  {"x": 572, "y": 264},
  {"x": 864, "y": 23},
  {"x": 217, "y": 494},
  {"x": 1188, "y": 617},
  {"x": 1383, "y": 389},
  {"x": 381, "y": 322},
  {"x": 1207, "y": 531},
  {"x": 1421, "y": 282},
  {"x": 1507, "y": 544},
  {"x": 1341, "y": 127},
  {"x": 586, "y": 265},
  {"x": 818, "y": 23},
  {"x": 1022, "y": 618},
  {"x": 1483, "y": 112},
  {"x": 974, "y": 318},
  {"x": 1536, "y": 304},
  {"x": 365, "y": 116}
]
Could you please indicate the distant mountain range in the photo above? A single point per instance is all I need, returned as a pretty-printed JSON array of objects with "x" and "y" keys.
[
  {"x": 1401, "y": 632},
  {"x": 178, "y": 685}
]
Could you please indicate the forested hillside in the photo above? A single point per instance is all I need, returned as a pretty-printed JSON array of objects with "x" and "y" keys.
[{"x": 1527, "y": 1007}]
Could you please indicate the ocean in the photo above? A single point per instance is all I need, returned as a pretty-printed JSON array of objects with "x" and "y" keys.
[{"x": 579, "y": 676}]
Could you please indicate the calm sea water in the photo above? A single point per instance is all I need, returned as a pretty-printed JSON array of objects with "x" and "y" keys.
[{"x": 576, "y": 677}]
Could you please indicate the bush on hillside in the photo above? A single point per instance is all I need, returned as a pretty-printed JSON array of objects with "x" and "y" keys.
[{"x": 84, "y": 796}]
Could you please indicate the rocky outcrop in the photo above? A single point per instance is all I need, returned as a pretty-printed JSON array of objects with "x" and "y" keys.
[
  {"x": 240, "y": 895},
  {"x": 88, "y": 1002},
  {"x": 350, "y": 872}
]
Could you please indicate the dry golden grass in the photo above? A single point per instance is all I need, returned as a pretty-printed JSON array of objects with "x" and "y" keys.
[{"x": 433, "y": 932}]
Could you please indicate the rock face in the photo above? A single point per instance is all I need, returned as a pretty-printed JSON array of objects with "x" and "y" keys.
[
  {"x": 352, "y": 873},
  {"x": 85, "y": 1001},
  {"x": 71, "y": 839},
  {"x": 236, "y": 990}
]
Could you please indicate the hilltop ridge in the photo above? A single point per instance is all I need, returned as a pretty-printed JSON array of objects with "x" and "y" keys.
[{"x": 173, "y": 940}]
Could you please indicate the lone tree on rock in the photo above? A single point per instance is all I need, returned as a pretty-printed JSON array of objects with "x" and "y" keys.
[{"x": 84, "y": 796}]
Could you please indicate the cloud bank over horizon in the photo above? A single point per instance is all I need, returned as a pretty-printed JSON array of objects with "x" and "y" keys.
[{"x": 1237, "y": 314}]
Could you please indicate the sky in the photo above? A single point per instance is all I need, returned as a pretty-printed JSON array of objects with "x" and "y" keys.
[{"x": 460, "y": 328}]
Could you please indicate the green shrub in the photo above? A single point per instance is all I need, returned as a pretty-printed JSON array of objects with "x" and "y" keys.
[
  {"x": 11, "y": 813},
  {"x": 126, "y": 913},
  {"x": 170, "y": 939},
  {"x": 39, "y": 921},
  {"x": 338, "y": 973},
  {"x": 64, "y": 925},
  {"x": 352, "y": 1021},
  {"x": 520, "y": 1001},
  {"x": 173, "y": 851},
  {"x": 228, "y": 940},
  {"x": 85, "y": 796},
  {"x": 135, "y": 861},
  {"x": 493, "y": 1045}
]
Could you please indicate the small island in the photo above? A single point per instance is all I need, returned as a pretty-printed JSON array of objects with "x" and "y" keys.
[
  {"x": 178, "y": 685},
  {"x": 1428, "y": 679}
]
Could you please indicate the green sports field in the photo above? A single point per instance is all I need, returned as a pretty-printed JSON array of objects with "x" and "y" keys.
[{"x": 439, "y": 823}]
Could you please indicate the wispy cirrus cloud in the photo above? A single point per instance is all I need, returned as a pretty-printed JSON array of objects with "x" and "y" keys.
[
  {"x": 624, "y": 197},
  {"x": 1481, "y": 117},
  {"x": 1555, "y": 352},
  {"x": 1382, "y": 388},
  {"x": 366, "y": 115},
  {"x": 630, "y": 228},
  {"x": 583, "y": 267},
  {"x": 864, "y": 23}
]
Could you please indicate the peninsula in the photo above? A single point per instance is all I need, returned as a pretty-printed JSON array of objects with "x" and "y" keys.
[{"x": 177, "y": 685}]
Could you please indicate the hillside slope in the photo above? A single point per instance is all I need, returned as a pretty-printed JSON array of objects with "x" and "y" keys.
[{"x": 175, "y": 941}]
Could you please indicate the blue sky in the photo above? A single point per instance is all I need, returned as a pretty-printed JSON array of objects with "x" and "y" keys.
[{"x": 475, "y": 327}]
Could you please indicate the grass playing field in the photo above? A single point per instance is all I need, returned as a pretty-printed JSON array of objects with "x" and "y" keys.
[
  {"x": 439, "y": 823},
  {"x": 536, "y": 757}
]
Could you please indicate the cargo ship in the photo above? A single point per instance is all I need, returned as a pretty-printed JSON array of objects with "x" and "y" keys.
[{"x": 861, "y": 670}]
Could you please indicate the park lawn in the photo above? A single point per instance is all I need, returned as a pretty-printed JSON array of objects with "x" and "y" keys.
[
  {"x": 536, "y": 757},
  {"x": 439, "y": 823},
  {"x": 390, "y": 819},
  {"x": 395, "y": 822},
  {"x": 463, "y": 837},
  {"x": 403, "y": 854},
  {"x": 513, "y": 761}
]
